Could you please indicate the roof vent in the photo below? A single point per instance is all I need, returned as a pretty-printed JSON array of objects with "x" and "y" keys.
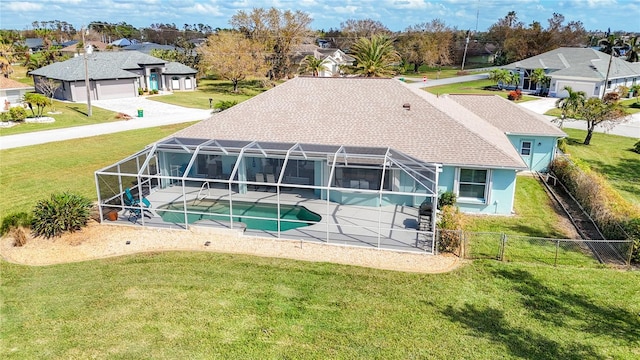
[{"x": 406, "y": 106}]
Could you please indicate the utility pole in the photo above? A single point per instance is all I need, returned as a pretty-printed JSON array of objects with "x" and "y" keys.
[
  {"x": 87, "y": 51},
  {"x": 466, "y": 45}
]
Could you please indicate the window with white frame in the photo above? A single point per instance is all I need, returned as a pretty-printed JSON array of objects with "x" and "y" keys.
[
  {"x": 473, "y": 184},
  {"x": 525, "y": 148}
]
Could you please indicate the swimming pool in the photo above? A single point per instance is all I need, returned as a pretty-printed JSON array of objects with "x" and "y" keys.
[{"x": 243, "y": 211}]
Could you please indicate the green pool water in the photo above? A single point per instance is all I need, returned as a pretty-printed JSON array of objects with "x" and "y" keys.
[{"x": 219, "y": 210}]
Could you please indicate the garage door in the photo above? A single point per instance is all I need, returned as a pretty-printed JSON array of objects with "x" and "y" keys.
[
  {"x": 116, "y": 89},
  {"x": 588, "y": 88}
]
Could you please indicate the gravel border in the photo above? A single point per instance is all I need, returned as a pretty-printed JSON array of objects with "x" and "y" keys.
[{"x": 99, "y": 241}]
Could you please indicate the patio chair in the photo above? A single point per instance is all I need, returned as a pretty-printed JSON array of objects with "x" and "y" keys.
[
  {"x": 133, "y": 207},
  {"x": 259, "y": 179},
  {"x": 271, "y": 179}
]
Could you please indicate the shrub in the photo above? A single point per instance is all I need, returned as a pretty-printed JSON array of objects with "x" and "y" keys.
[
  {"x": 62, "y": 212},
  {"x": 5, "y": 116},
  {"x": 19, "y": 236},
  {"x": 224, "y": 104},
  {"x": 562, "y": 145},
  {"x": 616, "y": 217},
  {"x": 18, "y": 113},
  {"x": 515, "y": 95},
  {"x": 446, "y": 199},
  {"x": 636, "y": 147},
  {"x": 140, "y": 91},
  {"x": 450, "y": 224},
  {"x": 15, "y": 220}
]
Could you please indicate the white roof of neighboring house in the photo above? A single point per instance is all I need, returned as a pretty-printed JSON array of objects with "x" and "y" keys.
[{"x": 368, "y": 112}]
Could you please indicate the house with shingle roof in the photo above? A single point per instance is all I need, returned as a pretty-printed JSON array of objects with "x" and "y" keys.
[
  {"x": 583, "y": 69},
  {"x": 12, "y": 92},
  {"x": 349, "y": 161},
  {"x": 115, "y": 74},
  {"x": 332, "y": 59}
]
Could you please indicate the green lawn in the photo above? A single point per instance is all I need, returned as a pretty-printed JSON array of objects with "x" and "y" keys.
[
  {"x": 217, "y": 90},
  {"x": 611, "y": 156},
  {"x": 28, "y": 174},
  {"x": 473, "y": 87},
  {"x": 534, "y": 216},
  {"x": 430, "y": 73},
  {"x": 181, "y": 305},
  {"x": 71, "y": 114}
]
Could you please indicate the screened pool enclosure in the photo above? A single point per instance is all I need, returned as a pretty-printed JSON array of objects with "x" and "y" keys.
[{"x": 357, "y": 196}]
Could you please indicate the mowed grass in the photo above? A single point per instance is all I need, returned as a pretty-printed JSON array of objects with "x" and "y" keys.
[
  {"x": 28, "y": 174},
  {"x": 473, "y": 87},
  {"x": 71, "y": 114},
  {"x": 181, "y": 305},
  {"x": 611, "y": 156},
  {"x": 216, "y": 90},
  {"x": 630, "y": 106}
]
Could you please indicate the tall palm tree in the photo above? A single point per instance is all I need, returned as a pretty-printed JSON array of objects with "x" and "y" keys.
[
  {"x": 375, "y": 57},
  {"x": 571, "y": 105},
  {"x": 311, "y": 64}
]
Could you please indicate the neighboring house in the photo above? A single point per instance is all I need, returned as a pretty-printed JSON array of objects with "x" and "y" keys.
[
  {"x": 333, "y": 59},
  {"x": 147, "y": 47},
  {"x": 362, "y": 153},
  {"x": 583, "y": 69},
  {"x": 73, "y": 49},
  {"x": 115, "y": 75},
  {"x": 34, "y": 44},
  {"x": 121, "y": 42},
  {"x": 12, "y": 92}
]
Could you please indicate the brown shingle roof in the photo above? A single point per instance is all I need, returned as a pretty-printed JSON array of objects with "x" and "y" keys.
[
  {"x": 6, "y": 83},
  {"x": 501, "y": 113},
  {"x": 363, "y": 112}
]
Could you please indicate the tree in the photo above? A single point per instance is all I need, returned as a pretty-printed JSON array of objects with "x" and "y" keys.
[
  {"x": 232, "y": 56},
  {"x": 515, "y": 79},
  {"x": 571, "y": 105},
  {"x": 38, "y": 100},
  {"x": 427, "y": 43},
  {"x": 500, "y": 77},
  {"x": 278, "y": 31},
  {"x": 48, "y": 87},
  {"x": 311, "y": 64},
  {"x": 606, "y": 113},
  {"x": 539, "y": 77},
  {"x": 636, "y": 91},
  {"x": 352, "y": 30},
  {"x": 634, "y": 49},
  {"x": 375, "y": 57}
]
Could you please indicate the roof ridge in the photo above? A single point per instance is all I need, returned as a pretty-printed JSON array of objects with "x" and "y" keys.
[{"x": 455, "y": 115}]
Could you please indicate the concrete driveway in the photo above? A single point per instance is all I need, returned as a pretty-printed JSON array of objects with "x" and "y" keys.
[{"x": 155, "y": 114}]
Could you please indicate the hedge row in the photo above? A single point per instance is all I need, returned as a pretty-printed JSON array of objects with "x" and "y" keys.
[{"x": 617, "y": 218}]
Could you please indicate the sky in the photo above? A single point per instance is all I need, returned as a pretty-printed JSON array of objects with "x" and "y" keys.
[{"x": 397, "y": 15}]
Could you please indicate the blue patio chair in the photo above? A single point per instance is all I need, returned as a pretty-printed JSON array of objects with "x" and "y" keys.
[{"x": 133, "y": 205}]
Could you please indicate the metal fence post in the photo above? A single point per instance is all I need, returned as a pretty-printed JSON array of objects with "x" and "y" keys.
[
  {"x": 631, "y": 243},
  {"x": 503, "y": 243},
  {"x": 555, "y": 261}
]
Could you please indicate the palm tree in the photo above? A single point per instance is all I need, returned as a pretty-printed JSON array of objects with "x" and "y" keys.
[
  {"x": 375, "y": 57},
  {"x": 312, "y": 64},
  {"x": 634, "y": 49},
  {"x": 500, "y": 77},
  {"x": 571, "y": 105},
  {"x": 515, "y": 79},
  {"x": 539, "y": 77}
]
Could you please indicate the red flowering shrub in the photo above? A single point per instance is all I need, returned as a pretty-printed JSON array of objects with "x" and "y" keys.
[{"x": 515, "y": 95}]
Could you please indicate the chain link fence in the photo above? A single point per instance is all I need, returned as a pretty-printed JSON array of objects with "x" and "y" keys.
[{"x": 517, "y": 248}]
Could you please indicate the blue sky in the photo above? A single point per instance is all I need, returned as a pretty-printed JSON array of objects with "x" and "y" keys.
[{"x": 395, "y": 14}]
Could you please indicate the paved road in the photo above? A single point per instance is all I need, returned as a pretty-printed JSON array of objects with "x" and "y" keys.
[{"x": 155, "y": 114}]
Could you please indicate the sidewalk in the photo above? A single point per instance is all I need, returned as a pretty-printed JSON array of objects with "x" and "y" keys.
[{"x": 155, "y": 114}]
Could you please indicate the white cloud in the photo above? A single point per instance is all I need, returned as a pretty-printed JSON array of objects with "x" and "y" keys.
[
  {"x": 409, "y": 4},
  {"x": 23, "y": 6},
  {"x": 345, "y": 9}
]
